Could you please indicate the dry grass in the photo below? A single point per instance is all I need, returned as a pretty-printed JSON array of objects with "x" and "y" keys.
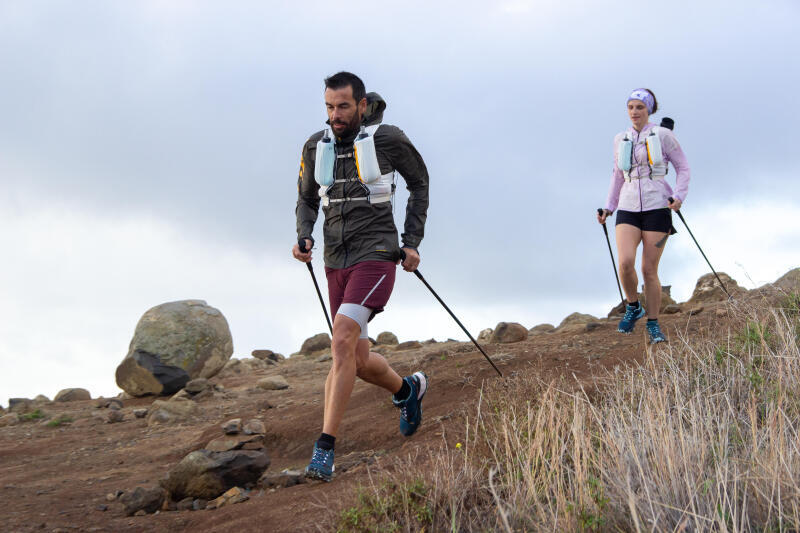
[{"x": 704, "y": 436}]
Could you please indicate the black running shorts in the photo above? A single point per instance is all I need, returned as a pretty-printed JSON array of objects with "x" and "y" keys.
[{"x": 656, "y": 220}]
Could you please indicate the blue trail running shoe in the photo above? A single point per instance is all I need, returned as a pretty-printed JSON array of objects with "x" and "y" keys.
[
  {"x": 321, "y": 465},
  {"x": 632, "y": 314},
  {"x": 411, "y": 407},
  {"x": 655, "y": 332}
]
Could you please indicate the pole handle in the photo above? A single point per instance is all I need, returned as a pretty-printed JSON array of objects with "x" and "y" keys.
[{"x": 302, "y": 244}]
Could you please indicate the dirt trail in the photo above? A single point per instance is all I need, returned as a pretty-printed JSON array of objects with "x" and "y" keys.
[{"x": 56, "y": 479}]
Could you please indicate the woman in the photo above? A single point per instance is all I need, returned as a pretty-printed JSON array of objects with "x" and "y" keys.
[{"x": 640, "y": 191}]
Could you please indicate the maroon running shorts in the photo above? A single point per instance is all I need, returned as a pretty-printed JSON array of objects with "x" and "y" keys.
[{"x": 368, "y": 283}]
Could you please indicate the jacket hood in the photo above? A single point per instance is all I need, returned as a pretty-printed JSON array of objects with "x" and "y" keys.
[{"x": 375, "y": 108}]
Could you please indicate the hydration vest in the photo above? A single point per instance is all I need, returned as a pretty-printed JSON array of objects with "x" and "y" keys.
[
  {"x": 655, "y": 155},
  {"x": 379, "y": 187}
]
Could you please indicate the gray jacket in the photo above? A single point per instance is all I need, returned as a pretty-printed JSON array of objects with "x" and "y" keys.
[{"x": 359, "y": 231}]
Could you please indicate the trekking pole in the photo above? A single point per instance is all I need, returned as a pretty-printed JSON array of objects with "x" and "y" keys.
[
  {"x": 613, "y": 263},
  {"x": 422, "y": 279},
  {"x": 671, "y": 200},
  {"x": 302, "y": 244}
]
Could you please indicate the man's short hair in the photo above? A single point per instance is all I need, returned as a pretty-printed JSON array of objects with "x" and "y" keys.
[{"x": 343, "y": 79}]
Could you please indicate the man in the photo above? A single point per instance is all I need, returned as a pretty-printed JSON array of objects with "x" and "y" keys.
[{"x": 349, "y": 168}]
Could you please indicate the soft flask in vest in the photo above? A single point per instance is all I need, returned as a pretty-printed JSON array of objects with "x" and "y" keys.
[
  {"x": 654, "y": 154},
  {"x": 366, "y": 157},
  {"x": 624, "y": 151},
  {"x": 325, "y": 161}
]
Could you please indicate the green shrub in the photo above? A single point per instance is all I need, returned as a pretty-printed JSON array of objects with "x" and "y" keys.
[{"x": 36, "y": 414}]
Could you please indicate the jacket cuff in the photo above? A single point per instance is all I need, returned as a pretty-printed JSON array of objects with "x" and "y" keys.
[{"x": 409, "y": 247}]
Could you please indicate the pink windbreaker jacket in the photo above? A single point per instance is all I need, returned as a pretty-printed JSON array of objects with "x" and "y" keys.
[{"x": 646, "y": 194}]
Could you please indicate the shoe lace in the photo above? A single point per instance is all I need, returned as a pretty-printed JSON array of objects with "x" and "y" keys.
[
  {"x": 320, "y": 456},
  {"x": 629, "y": 312}
]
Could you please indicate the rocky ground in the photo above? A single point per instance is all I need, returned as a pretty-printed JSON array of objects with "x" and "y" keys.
[{"x": 73, "y": 465}]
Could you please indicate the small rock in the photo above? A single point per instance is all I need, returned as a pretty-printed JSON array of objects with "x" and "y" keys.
[
  {"x": 171, "y": 412},
  {"x": 321, "y": 341},
  {"x": 233, "y": 366},
  {"x": 507, "y": 332},
  {"x": 207, "y": 474},
  {"x": 230, "y": 497},
  {"x": 541, "y": 329},
  {"x": 102, "y": 507},
  {"x": 115, "y": 404},
  {"x": 111, "y": 497},
  {"x": 72, "y": 395},
  {"x": 140, "y": 512},
  {"x": 408, "y": 345},
  {"x": 591, "y": 326},
  {"x": 255, "y": 364},
  {"x": 234, "y": 442},
  {"x": 387, "y": 338},
  {"x": 182, "y": 395},
  {"x": 144, "y": 500},
  {"x": 199, "y": 504},
  {"x": 115, "y": 416},
  {"x": 255, "y": 427},
  {"x": 324, "y": 357},
  {"x": 286, "y": 478},
  {"x": 485, "y": 334},
  {"x": 273, "y": 383},
  {"x": 696, "y": 310},
  {"x": 721, "y": 313},
  {"x": 196, "y": 386},
  {"x": 140, "y": 413},
  {"x": 11, "y": 419},
  {"x": 671, "y": 309},
  {"x": 268, "y": 355},
  {"x": 232, "y": 426},
  {"x": 186, "y": 504}
]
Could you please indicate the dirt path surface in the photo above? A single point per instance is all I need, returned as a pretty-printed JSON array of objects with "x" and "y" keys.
[{"x": 57, "y": 478}]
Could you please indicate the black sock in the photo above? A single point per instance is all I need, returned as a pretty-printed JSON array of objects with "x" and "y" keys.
[
  {"x": 634, "y": 304},
  {"x": 326, "y": 441},
  {"x": 404, "y": 391},
  {"x": 652, "y": 320}
]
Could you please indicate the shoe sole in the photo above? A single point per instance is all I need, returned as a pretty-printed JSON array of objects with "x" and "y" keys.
[{"x": 314, "y": 474}]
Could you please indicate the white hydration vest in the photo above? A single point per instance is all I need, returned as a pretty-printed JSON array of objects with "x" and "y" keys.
[
  {"x": 655, "y": 155},
  {"x": 379, "y": 187}
]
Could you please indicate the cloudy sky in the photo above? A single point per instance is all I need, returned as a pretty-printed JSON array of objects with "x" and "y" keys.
[{"x": 149, "y": 153}]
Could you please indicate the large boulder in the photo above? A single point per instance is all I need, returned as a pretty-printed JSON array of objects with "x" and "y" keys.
[
  {"x": 575, "y": 322},
  {"x": 707, "y": 288},
  {"x": 541, "y": 329},
  {"x": 207, "y": 474},
  {"x": 317, "y": 343},
  {"x": 506, "y": 332},
  {"x": 72, "y": 395},
  {"x": 174, "y": 343},
  {"x": 387, "y": 338}
]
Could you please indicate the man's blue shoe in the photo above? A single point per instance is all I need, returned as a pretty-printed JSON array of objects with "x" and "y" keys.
[
  {"x": 654, "y": 331},
  {"x": 632, "y": 314},
  {"x": 411, "y": 407},
  {"x": 321, "y": 465}
]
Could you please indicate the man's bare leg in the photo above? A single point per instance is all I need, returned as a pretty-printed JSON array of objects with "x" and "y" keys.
[
  {"x": 342, "y": 375},
  {"x": 373, "y": 368}
]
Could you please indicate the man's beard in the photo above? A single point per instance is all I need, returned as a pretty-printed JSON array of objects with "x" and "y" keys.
[{"x": 350, "y": 128}]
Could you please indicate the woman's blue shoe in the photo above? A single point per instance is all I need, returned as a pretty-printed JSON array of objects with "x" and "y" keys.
[
  {"x": 321, "y": 465},
  {"x": 411, "y": 407},
  {"x": 632, "y": 314},
  {"x": 655, "y": 332}
]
